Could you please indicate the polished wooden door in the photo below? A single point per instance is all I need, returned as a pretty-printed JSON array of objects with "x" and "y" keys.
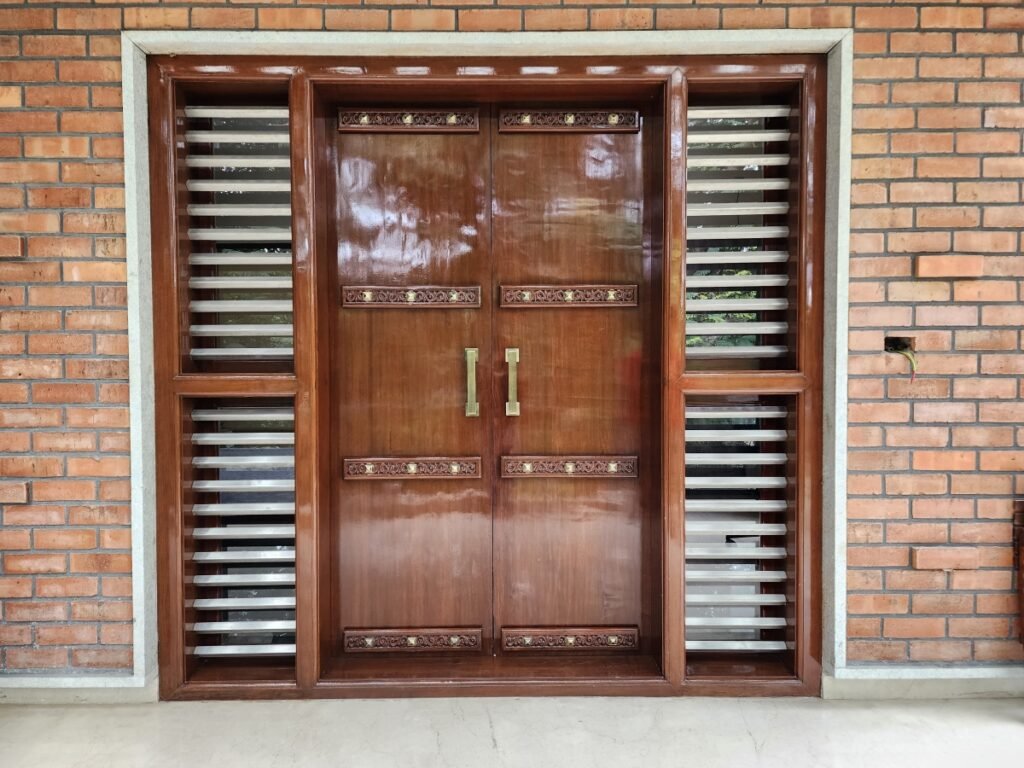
[
  {"x": 412, "y": 512},
  {"x": 569, "y": 278},
  {"x": 513, "y": 241}
]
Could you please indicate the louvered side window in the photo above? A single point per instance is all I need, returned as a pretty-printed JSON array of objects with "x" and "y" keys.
[
  {"x": 240, "y": 601},
  {"x": 751, "y": 360},
  {"x": 739, "y": 263},
  {"x": 239, "y": 235},
  {"x": 738, "y": 512}
]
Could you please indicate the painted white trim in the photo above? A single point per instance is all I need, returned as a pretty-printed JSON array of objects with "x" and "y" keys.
[
  {"x": 931, "y": 682},
  {"x": 839, "y": 129},
  {"x": 136, "y": 45},
  {"x": 463, "y": 44}
]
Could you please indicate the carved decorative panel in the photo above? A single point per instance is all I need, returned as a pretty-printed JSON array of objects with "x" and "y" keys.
[
  {"x": 411, "y": 640},
  {"x": 569, "y": 466},
  {"x": 570, "y": 639},
  {"x": 408, "y": 120},
  {"x": 412, "y": 297},
  {"x": 587, "y": 120},
  {"x": 526, "y": 296},
  {"x": 413, "y": 468}
]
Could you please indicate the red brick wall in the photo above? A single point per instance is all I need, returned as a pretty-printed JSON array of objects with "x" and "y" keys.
[{"x": 937, "y": 168}]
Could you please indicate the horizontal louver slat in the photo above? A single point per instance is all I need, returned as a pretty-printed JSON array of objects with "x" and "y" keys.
[{"x": 234, "y": 651}]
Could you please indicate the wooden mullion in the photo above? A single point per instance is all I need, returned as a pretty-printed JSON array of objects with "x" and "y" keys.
[
  {"x": 672, "y": 437},
  {"x": 309, "y": 295},
  {"x": 745, "y": 383},
  {"x": 166, "y": 357},
  {"x": 235, "y": 385}
]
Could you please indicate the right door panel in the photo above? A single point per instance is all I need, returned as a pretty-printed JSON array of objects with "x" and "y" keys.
[{"x": 568, "y": 255}]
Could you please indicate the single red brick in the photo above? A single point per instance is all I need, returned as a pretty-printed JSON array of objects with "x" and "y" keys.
[
  {"x": 69, "y": 634},
  {"x": 233, "y": 18},
  {"x": 156, "y": 18},
  {"x": 945, "y": 558},
  {"x": 915, "y": 580},
  {"x": 913, "y": 627},
  {"x": 878, "y": 556},
  {"x": 63, "y": 490},
  {"x": 65, "y": 539},
  {"x": 67, "y": 586},
  {"x": 986, "y": 42},
  {"x": 998, "y": 650},
  {"x": 101, "y": 563},
  {"x": 946, "y": 17},
  {"x": 106, "y": 658},
  {"x": 876, "y": 650},
  {"x": 36, "y": 658},
  {"x": 878, "y": 604},
  {"x": 672, "y": 18},
  {"x": 979, "y": 627},
  {"x": 35, "y": 563},
  {"x": 107, "y": 610},
  {"x": 752, "y": 18},
  {"x": 35, "y": 611},
  {"x": 940, "y": 650},
  {"x": 943, "y": 604}
]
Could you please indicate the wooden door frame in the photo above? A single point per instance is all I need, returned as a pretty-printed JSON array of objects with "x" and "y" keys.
[{"x": 308, "y": 82}]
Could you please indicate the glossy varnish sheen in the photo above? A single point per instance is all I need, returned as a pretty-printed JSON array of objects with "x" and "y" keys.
[{"x": 411, "y": 209}]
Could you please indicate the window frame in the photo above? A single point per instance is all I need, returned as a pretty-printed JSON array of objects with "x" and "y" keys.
[{"x": 308, "y": 382}]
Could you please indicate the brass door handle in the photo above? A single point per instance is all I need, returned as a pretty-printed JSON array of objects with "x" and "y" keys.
[
  {"x": 472, "y": 405},
  {"x": 512, "y": 404}
]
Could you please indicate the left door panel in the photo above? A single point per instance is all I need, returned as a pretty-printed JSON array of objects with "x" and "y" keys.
[{"x": 411, "y": 513}]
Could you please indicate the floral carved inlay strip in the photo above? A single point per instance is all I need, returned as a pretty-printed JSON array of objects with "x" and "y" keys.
[
  {"x": 411, "y": 640},
  {"x": 569, "y": 466},
  {"x": 569, "y": 296},
  {"x": 413, "y": 296},
  {"x": 587, "y": 120},
  {"x": 570, "y": 639},
  {"x": 408, "y": 120},
  {"x": 413, "y": 468}
]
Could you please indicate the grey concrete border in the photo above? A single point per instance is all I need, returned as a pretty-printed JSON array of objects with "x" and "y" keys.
[{"x": 837, "y": 43}]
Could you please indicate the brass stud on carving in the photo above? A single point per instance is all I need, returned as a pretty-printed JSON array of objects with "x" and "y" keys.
[
  {"x": 369, "y": 642},
  {"x": 364, "y": 119},
  {"x": 367, "y": 295},
  {"x": 613, "y": 639},
  {"x": 525, "y": 119},
  {"x": 570, "y": 640},
  {"x": 613, "y": 295},
  {"x": 613, "y": 119},
  {"x": 407, "y": 119},
  {"x": 527, "y": 467},
  {"x": 527, "y": 640},
  {"x": 454, "y": 468},
  {"x": 369, "y": 469},
  {"x": 527, "y": 296},
  {"x": 613, "y": 466},
  {"x": 454, "y": 640},
  {"x": 452, "y": 119},
  {"x": 570, "y": 467},
  {"x": 570, "y": 119},
  {"x": 453, "y": 296},
  {"x": 411, "y": 468},
  {"x": 410, "y": 640},
  {"x": 410, "y": 296},
  {"x": 568, "y": 295}
]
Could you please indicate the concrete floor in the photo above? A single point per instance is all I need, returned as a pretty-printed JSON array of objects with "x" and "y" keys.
[{"x": 539, "y": 733}]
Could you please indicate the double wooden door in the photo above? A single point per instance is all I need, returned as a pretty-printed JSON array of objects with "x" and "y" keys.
[{"x": 493, "y": 381}]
